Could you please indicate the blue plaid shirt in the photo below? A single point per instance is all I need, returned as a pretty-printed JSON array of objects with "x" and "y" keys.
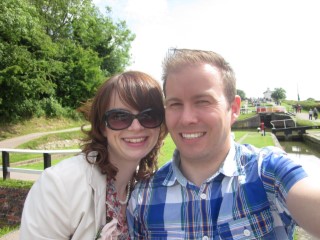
[{"x": 245, "y": 199}]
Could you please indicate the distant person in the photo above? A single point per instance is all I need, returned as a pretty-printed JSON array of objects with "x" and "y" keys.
[
  {"x": 214, "y": 187},
  {"x": 299, "y": 108},
  {"x": 315, "y": 113},
  {"x": 310, "y": 114},
  {"x": 294, "y": 108},
  {"x": 262, "y": 129},
  {"x": 85, "y": 197}
]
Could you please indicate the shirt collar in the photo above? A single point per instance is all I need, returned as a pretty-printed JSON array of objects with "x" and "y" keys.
[
  {"x": 173, "y": 174},
  {"x": 230, "y": 167}
]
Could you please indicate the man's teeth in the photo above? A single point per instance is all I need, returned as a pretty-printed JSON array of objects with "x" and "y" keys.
[
  {"x": 191, "y": 135},
  {"x": 134, "y": 140}
]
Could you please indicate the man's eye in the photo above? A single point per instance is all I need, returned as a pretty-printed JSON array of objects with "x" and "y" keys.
[
  {"x": 172, "y": 105},
  {"x": 203, "y": 102}
]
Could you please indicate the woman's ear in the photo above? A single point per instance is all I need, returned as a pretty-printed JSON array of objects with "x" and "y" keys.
[{"x": 235, "y": 109}]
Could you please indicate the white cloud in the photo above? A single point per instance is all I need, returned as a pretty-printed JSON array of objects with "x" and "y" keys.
[
  {"x": 146, "y": 10},
  {"x": 268, "y": 43}
]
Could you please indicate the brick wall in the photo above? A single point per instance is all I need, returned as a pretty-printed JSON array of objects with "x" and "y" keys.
[{"x": 11, "y": 205}]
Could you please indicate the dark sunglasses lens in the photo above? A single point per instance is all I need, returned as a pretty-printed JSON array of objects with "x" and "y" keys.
[
  {"x": 119, "y": 120},
  {"x": 150, "y": 119}
]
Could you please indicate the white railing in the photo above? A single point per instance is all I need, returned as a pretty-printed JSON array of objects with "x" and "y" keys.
[
  {"x": 6, "y": 169},
  {"x": 284, "y": 123}
]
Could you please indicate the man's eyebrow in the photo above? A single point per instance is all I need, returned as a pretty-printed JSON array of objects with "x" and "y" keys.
[
  {"x": 204, "y": 95},
  {"x": 198, "y": 96},
  {"x": 174, "y": 99}
]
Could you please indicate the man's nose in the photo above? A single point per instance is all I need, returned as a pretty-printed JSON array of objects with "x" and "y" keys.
[{"x": 188, "y": 115}]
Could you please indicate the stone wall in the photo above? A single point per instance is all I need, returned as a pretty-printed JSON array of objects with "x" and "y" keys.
[
  {"x": 11, "y": 205},
  {"x": 252, "y": 122},
  {"x": 312, "y": 139}
]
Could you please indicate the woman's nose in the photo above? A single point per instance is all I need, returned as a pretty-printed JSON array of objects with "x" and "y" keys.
[{"x": 135, "y": 125}]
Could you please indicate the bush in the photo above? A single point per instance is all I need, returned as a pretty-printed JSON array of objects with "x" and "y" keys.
[
  {"x": 306, "y": 105},
  {"x": 52, "y": 108}
]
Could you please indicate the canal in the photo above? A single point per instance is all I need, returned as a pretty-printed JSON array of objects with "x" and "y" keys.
[{"x": 307, "y": 156}]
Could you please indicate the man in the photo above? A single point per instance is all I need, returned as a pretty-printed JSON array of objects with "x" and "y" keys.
[{"x": 215, "y": 188}]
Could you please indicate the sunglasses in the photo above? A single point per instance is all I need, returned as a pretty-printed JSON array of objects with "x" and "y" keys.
[{"x": 118, "y": 119}]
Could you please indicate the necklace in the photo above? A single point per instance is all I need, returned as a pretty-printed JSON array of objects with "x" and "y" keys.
[{"x": 128, "y": 193}]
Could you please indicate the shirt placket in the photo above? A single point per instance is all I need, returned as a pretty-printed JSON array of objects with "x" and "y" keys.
[{"x": 200, "y": 199}]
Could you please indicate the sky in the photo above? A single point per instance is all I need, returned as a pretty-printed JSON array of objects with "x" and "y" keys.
[{"x": 268, "y": 43}]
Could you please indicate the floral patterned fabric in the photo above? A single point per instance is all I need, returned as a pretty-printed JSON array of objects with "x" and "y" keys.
[{"x": 113, "y": 207}]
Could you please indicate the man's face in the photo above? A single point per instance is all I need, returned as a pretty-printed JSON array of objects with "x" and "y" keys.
[{"x": 198, "y": 116}]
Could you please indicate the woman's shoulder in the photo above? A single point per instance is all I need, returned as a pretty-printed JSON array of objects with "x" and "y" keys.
[
  {"x": 77, "y": 161},
  {"x": 72, "y": 169}
]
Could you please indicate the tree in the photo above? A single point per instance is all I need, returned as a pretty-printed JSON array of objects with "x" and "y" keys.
[
  {"x": 242, "y": 94},
  {"x": 25, "y": 65},
  {"x": 81, "y": 77},
  {"x": 56, "y": 52},
  {"x": 278, "y": 94}
]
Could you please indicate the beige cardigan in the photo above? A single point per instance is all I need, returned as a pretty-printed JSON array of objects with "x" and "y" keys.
[{"x": 67, "y": 202}]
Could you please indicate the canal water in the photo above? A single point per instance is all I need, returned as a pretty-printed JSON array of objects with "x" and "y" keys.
[{"x": 306, "y": 155}]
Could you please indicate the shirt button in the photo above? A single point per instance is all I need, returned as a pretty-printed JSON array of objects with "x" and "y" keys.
[
  {"x": 203, "y": 196},
  {"x": 247, "y": 232},
  {"x": 205, "y": 238}
]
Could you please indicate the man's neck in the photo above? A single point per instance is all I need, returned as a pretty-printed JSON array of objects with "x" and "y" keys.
[{"x": 198, "y": 171}]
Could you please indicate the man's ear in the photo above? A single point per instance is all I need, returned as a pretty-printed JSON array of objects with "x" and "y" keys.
[{"x": 235, "y": 108}]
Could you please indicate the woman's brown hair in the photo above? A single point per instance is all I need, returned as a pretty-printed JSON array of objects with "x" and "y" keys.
[{"x": 138, "y": 90}]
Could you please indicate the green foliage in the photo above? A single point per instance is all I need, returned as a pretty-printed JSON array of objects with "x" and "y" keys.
[
  {"x": 81, "y": 77},
  {"x": 278, "y": 94},
  {"x": 246, "y": 116},
  {"x": 55, "y": 54},
  {"x": 12, "y": 183},
  {"x": 306, "y": 105},
  {"x": 242, "y": 94},
  {"x": 311, "y": 99},
  {"x": 7, "y": 229}
]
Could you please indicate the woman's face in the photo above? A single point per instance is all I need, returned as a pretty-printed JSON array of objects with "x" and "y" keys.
[{"x": 132, "y": 143}]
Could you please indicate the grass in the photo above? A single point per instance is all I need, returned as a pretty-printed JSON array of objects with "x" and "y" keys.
[
  {"x": 20, "y": 157},
  {"x": 303, "y": 122},
  {"x": 165, "y": 156},
  {"x": 246, "y": 116},
  {"x": 250, "y": 137},
  {"x": 6, "y": 230},
  {"x": 42, "y": 141},
  {"x": 166, "y": 150},
  {"x": 40, "y": 124},
  {"x": 51, "y": 138},
  {"x": 12, "y": 183},
  {"x": 255, "y": 139},
  {"x": 238, "y": 134}
]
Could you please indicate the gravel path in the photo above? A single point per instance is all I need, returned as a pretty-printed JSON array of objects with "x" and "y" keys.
[{"x": 14, "y": 142}]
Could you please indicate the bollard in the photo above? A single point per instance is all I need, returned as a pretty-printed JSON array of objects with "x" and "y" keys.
[
  {"x": 5, "y": 165},
  {"x": 47, "y": 160}
]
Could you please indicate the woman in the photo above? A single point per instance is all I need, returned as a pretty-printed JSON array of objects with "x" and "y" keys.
[{"x": 85, "y": 197}]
